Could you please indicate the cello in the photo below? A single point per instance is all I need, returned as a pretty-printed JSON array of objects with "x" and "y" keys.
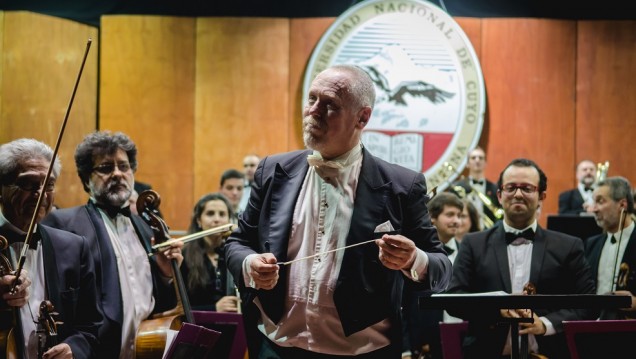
[{"x": 152, "y": 334}]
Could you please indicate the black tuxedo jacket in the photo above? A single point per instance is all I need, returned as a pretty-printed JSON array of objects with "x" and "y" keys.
[
  {"x": 70, "y": 286},
  {"x": 366, "y": 292},
  {"x": 571, "y": 202},
  {"x": 87, "y": 221},
  {"x": 593, "y": 248},
  {"x": 491, "y": 193},
  {"x": 558, "y": 266}
]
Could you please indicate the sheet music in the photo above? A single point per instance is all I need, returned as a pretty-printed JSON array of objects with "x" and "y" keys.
[
  {"x": 498, "y": 292},
  {"x": 170, "y": 336}
]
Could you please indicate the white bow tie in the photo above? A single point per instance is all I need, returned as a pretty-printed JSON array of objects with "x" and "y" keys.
[{"x": 318, "y": 162}]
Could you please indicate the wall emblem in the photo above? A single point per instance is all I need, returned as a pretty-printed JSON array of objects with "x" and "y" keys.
[{"x": 430, "y": 104}]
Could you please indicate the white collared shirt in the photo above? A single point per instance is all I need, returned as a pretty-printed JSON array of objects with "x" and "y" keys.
[
  {"x": 610, "y": 259},
  {"x": 135, "y": 278}
]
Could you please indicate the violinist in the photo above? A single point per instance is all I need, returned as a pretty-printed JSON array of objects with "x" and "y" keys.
[
  {"x": 506, "y": 257},
  {"x": 209, "y": 285},
  {"x": 57, "y": 266},
  {"x": 132, "y": 285},
  {"x": 612, "y": 254}
]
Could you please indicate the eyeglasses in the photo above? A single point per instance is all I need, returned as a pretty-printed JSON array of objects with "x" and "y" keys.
[
  {"x": 33, "y": 186},
  {"x": 477, "y": 157},
  {"x": 108, "y": 168},
  {"x": 511, "y": 188}
]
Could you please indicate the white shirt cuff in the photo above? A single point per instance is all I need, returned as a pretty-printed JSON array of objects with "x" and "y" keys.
[
  {"x": 249, "y": 281},
  {"x": 419, "y": 268}
]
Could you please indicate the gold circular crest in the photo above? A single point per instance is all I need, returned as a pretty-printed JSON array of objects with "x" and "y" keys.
[{"x": 430, "y": 102}]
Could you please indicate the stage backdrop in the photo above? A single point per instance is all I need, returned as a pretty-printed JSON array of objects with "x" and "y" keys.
[{"x": 197, "y": 94}]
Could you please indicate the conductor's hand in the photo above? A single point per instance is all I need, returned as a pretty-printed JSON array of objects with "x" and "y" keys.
[
  {"x": 21, "y": 295},
  {"x": 165, "y": 255},
  {"x": 264, "y": 271},
  {"x": 396, "y": 251},
  {"x": 60, "y": 351}
]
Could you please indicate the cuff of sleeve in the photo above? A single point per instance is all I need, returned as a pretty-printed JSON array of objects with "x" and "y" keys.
[
  {"x": 419, "y": 268},
  {"x": 248, "y": 280},
  {"x": 549, "y": 328}
]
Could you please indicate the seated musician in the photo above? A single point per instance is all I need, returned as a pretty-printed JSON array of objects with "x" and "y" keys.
[
  {"x": 614, "y": 271},
  {"x": 132, "y": 285},
  {"x": 507, "y": 257},
  {"x": 57, "y": 266},
  {"x": 209, "y": 285}
]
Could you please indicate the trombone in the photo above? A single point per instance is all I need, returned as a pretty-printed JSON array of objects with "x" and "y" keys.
[
  {"x": 601, "y": 171},
  {"x": 496, "y": 211}
]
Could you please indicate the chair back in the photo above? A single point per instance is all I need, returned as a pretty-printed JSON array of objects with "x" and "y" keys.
[
  {"x": 600, "y": 338},
  {"x": 451, "y": 335}
]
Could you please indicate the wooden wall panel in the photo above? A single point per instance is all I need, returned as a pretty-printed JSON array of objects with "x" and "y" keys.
[
  {"x": 242, "y": 96},
  {"x": 529, "y": 70},
  {"x": 147, "y": 91},
  {"x": 606, "y": 86},
  {"x": 304, "y": 36},
  {"x": 41, "y": 58}
]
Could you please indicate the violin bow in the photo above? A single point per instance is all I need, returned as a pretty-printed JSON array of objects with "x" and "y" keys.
[{"x": 41, "y": 195}]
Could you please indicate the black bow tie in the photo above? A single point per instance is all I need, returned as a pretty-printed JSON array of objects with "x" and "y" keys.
[
  {"x": 14, "y": 237},
  {"x": 589, "y": 189},
  {"x": 528, "y": 234},
  {"x": 448, "y": 250},
  {"x": 479, "y": 182},
  {"x": 112, "y": 212}
]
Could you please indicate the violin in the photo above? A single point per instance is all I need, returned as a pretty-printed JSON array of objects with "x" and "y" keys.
[
  {"x": 8, "y": 344},
  {"x": 524, "y": 351},
  {"x": 152, "y": 333},
  {"x": 46, "y": 328},
  {"x": 623, "y": 276}
]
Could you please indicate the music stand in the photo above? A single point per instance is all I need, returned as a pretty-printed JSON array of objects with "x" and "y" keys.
[
  {"x": 192, "y": 342},
  {"x": 579, "y": 226},
  {"x": 517, "y": 301},
  {"x": 232, "y": 344}
]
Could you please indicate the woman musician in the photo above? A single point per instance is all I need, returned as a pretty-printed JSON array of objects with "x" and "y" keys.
[{"x": 209, "y": 285}]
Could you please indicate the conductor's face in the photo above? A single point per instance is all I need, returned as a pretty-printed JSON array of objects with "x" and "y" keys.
[
  {"x": 112, "y": 179},
  {"x": 332, "y": 118}
]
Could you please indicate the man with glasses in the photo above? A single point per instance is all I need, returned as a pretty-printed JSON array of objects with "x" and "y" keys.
[
  {"x": 509, "y": 256},
  {"x": 132, "y": 285},
  {"x": 57, "y": 266}
]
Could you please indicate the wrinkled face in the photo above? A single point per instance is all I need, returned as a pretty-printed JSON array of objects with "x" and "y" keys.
[
  {"x": 519, "y": 195},
  {"x": 215, "y": 213},
  {"x": 606, "y": 210},
  {"x": 20, "y": 197},
  {"x": 249, "y": 167},
  {"x": 447, "y": 223},
  {"x": 232, "y": 189},
  {"x": 464, "y": 223},
  {"x": 586, "y": 173},
  {"x": 112, "y": 179},
  {"x": 477, "y": 160},
  {"x": 332, "y": 119}
]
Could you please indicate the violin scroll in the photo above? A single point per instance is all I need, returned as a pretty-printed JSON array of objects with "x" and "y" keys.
[
  {"x": 47, "y": 328},
  {"x": 5, "y": 266}
]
